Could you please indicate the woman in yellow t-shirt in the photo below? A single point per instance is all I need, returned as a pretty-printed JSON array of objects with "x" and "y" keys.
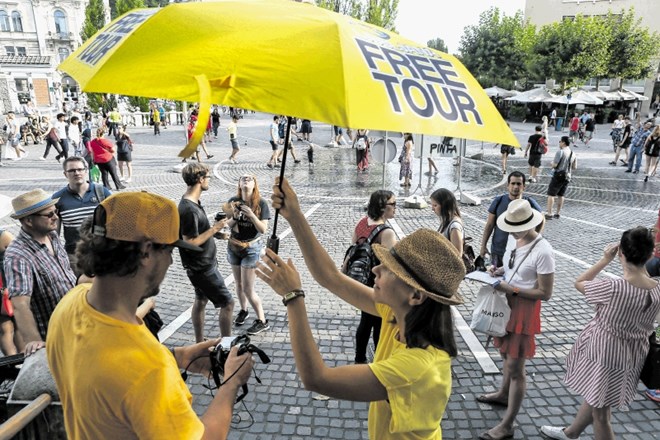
[{"x": 412, "y": 365}]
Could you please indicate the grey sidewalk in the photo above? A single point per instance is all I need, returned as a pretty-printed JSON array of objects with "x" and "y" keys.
[{"x": 601, "y": 202}]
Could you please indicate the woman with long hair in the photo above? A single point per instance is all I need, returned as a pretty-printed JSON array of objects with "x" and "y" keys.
[
  {"x": 361, "y": 145},
  {"x": 606, "y": 361},
  {"x": 528, "y": 279},
  {"x": 405, "y": 159},
  {"x": 652, "y": 151},
  {"x": 544, "y": 127},
  {"x": 445, "y": 206},
  {"x": 124, "y": 153},
  {"x": 409, "y": 381},
  {"x": 249, "y": 215},
  {"x": 382, "y": 207}
]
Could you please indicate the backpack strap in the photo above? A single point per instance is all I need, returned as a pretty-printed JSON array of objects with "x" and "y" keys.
[
  {"x": 100, "y": 194},
  {"x": 375, "y": 232}
]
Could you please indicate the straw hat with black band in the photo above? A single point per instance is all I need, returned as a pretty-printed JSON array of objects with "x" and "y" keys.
[
  {"x": 519, "y": 216},
  {"x": 31, "y": 202},
  {"x": 428, "y": 262}
]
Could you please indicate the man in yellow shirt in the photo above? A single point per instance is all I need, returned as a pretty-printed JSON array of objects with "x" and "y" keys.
[{"x": 129, "y": 386}]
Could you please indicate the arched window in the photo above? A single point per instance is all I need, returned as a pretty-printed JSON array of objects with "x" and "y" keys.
[
  {"x": 62, "y": 52},
  {"x": 4, "y": 22},
  {"x": 60, "y": 23},
  {"x": 16, "y": 21}
]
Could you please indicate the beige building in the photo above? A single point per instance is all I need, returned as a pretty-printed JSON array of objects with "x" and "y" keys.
[
  {"x": 542, "y": 12},
  {"x": 35, "y": 36}
]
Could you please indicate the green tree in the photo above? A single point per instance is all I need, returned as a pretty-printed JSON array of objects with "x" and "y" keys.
[
  {"x": 437, "y": 44},
  {"x": 495, "y": 51},
  {"x": 379, "y": 12},
  {"x": 632, "y": 48},
  {"x": 123, "y": 6},
  {"x": 94, "y": 19}
]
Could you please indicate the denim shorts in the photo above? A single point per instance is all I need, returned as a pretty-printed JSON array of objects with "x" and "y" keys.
[
  {"x": 210, "y": 285},
  {"x": 247, "y": 257}
]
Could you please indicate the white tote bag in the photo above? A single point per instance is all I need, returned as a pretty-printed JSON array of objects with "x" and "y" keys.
[{"x": 491, "y": 312}]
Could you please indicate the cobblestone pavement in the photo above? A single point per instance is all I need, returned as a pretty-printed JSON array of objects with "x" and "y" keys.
[{"x": 601, "y": 203}]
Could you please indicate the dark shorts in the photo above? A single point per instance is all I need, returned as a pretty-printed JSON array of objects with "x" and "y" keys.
[
  {"x": 124, "y": 157},
  {"x": 534, "y": 160},
  {"x": 507, "y": 149},
  {"x": 210, "y": 285},
  {"x": 247, "y": 257},
  {"x": 306, "y": 127},
  {"x": 338, "y": 131},
  {"x": 273, "y": 145},
  {"x": 557, "y": 188},
  {"x": 234, "y": 144}
]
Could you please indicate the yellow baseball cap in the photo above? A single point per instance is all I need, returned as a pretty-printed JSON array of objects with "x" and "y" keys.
[{"x": 139, "y": 216}]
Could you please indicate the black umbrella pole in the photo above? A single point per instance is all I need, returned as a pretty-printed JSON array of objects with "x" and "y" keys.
[{"x": 274, "y": 241}]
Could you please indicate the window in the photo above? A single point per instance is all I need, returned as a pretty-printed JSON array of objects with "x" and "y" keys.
[
  {"x": 60, "y": 23},
  {"x": 63, "y": 53},
  {"x": 4, "y": 22},
  {"x": 16, "y": 21},
  {"x": 10, "y": 50},
  {"x": 21, "y": 52}
]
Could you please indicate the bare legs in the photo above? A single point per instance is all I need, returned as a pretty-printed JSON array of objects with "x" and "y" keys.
[
  {"x": 587, "y": 415},
  {"x": 198, "y": 309},
  {"x": 244, "y": 278},
  {"x": 505, "y": 157},
  {"x": 618, "y": 153},
  {"x": 514, "y": 386}
]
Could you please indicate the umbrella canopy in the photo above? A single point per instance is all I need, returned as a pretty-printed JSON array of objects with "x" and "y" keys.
[
  {"x": 605, "y": 96},
  {"x": 578, "y": 97},
  {"x": 628, "y": 95},
  {"x": 539, "y": 94},
  {"x": 291, "y": 58},
  {"x": 499, "y": 92}
]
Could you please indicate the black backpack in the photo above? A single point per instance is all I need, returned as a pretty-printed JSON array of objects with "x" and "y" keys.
[{"x": 360, "y": 259}]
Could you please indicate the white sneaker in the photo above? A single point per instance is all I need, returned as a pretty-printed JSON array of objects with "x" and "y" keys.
[
  {"x": 555, "y": 432},
  {"x": 128, "y": 180},
  {"x": 42, "y": 158}
]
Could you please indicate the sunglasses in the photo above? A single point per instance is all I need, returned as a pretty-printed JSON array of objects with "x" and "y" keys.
[
  {"x": 512, "y": 259},
  {"x": 51, "y": 214},
  {"x": 76, "y": 170}
]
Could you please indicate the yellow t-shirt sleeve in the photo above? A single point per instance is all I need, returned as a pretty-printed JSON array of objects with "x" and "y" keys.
[
  {"x": 415, "y": 378},
  {"x": 159, "y": 407}
]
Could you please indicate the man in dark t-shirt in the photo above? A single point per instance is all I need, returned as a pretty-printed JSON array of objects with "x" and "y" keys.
[
  {"x": 202, "y": 267},
  {"x": 534, "y": 154}
]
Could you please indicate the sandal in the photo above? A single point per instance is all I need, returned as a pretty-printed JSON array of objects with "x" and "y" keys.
[
  {"x": 487, "y": 436},
  {"x": 484, "y": 398},
  {"x": 653, "y": 395}
]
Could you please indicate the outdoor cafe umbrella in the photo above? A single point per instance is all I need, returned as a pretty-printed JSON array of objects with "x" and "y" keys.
[
  {"x": 577, "y": 97},
  {"x": 499, "y": 92},
  {"x": 286, "y": 57},
  {"x": 539, "y": 94}
]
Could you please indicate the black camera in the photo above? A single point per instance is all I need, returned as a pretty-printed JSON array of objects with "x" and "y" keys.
[
  {"x": 220, "y": 354},
  {"x": 241, "y": 216},
  {"x": 219, "y": 216}
]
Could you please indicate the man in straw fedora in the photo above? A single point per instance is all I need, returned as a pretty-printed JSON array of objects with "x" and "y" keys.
[
  {"x": 528, "y": 279},
  {"x": 133, "y": 388},
  {"x": 36, "y": 267},
  {"x": 412, "y": 364}
]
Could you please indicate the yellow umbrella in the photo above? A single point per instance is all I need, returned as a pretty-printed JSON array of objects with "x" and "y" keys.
[{"x": 285, "y": 57}]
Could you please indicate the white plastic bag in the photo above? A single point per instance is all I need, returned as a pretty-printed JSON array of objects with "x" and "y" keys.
[{"x": 491, "y": 312}]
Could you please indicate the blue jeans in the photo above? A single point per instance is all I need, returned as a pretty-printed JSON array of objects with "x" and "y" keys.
[{"x": 635, "y": 151}]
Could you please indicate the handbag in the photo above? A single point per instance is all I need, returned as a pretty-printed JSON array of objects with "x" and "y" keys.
[
  {"x": 492, "y": 312},
  {"x": 7, "y": 308},
  {"x": 650, "y": 375}
]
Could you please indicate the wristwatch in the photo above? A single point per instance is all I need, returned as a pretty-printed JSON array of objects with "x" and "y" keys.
[
  {"x": 286, "y": 299},
  {"x": 515, "y": 291}
]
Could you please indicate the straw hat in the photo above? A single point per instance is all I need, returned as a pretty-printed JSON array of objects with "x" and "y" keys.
[
  {"x": 519, "y": 217},
  {"x": 428, "y": 262},
  {"x": 31, "y": 203}
]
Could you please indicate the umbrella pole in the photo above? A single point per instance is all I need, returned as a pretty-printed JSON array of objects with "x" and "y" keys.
[
  {"x": 461, "y": 150},
  {"x": 421, "y": 165},
  {"x": 273, "y": 242},
  {"x": 384, "y": 158}
]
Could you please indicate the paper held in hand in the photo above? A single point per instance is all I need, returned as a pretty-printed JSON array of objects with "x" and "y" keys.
[{"x": 483, "y": 277}]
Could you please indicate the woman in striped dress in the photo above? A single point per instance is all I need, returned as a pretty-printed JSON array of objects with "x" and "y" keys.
[{"x": 605, "y": 363}]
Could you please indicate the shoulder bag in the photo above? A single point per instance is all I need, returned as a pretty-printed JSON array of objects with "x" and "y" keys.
[
  {"x": 651, "y": 372},
  {"x": 562, "y": 175}
]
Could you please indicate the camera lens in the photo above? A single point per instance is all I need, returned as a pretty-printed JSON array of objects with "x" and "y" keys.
[{"x": 220, "y": 216}]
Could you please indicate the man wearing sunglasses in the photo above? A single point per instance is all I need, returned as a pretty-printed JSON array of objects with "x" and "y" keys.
[
  {"x": 75, "y": 202},
  {"x": 36, "y": 267}
]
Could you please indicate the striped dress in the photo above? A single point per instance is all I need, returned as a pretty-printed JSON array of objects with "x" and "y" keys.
[{"x": 605, "y": 363}]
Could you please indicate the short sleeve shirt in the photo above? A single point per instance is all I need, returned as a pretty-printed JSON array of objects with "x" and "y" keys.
[
  {"x": 564, "y": 153},
  {"x": 246, "y": 229},
  {"x": 533, "y": 140},
  {"x": 541, "y": 261},
  {"x": 193, "y": 223},
  {"x": 414, "y": 378},
  {"x": 73, "y": 210}
]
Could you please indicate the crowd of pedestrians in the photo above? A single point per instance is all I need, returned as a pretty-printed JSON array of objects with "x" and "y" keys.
[{"x": 124, "y": 242}]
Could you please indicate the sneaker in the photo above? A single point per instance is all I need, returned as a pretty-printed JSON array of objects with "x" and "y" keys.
[
  {"x": 549, "y": 216},
  {"x": 653, "y": 395},
  {"x": 532, "y": 179},
  {"x": 258, "y": 327},
  {"x": 2, "y": 164},
  {"x": 625, "y": 164},
  {"x": 296, "y": 161},
  {"x": 242, "y": 316},
  {"x": 128, "y": 180},
  {"x": 612, "y": 163},
  {"x": 636, "y": 171},
  {"x": 42, "y": 158},
  {"x": 556, "y": 216},
  {"x": 628, "y": 171},
  {"x": 210, "y": 156},
  {"x": 269, "y": 165},
  {"x": 555, "y": 432}
]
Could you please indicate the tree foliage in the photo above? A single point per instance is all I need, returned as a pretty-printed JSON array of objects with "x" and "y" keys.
[
  {"x": 123, "y": 6},
  {"x": 94, "y": 19},
  {"x": 437, "y": 44},
  {"x": 495, "y": 50},
  {"x": 379, "y": 12}
]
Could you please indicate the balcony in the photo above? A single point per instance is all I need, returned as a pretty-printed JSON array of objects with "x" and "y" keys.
[{"x": 60, "y": 36}]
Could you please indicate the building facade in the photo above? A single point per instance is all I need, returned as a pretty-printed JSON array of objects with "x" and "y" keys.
[
  {"x": 35, "y": 36},
  {"x": 542, "y": 12}
]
